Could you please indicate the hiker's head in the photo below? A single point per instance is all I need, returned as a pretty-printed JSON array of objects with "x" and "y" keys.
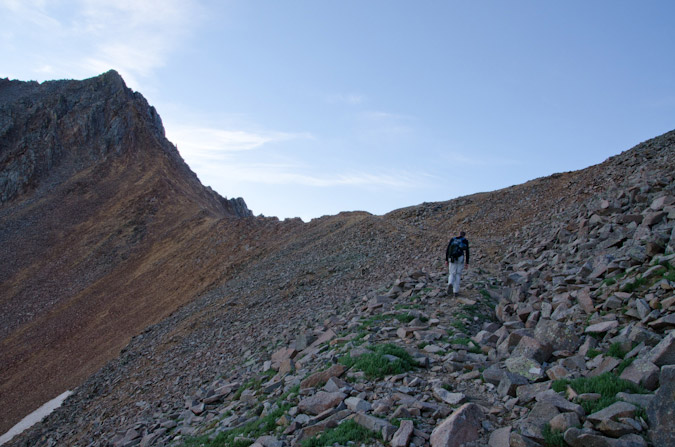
[{"x": 462, "y": 234}]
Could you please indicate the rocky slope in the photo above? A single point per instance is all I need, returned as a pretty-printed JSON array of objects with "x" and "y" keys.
[
  {"x": 94, "y": 205},
  {"x": 569, "y": 273}
]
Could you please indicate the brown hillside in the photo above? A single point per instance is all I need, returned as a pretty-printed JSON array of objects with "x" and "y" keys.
[{"x": 98, "y": 213}]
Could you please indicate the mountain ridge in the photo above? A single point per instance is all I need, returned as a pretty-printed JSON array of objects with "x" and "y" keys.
[
  {"x": 238, "y": 283},
  {"x": 91, "y": 188}
]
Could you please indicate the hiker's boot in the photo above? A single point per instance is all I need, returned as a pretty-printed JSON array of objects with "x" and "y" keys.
[{"x": 449, "y": 290}]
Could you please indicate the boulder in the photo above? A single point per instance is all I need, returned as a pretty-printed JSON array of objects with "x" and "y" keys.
[
  {"x": 402, "y": 436},
  {"x": 460, "y": 427},
  {"x": 559, "y": 402},
  {"x": 446, "y": 396},
  {"x": 500, "y": 437},
  {"x": 661, "y": 410},
  {"x": 614, "y": 412},
  {"x": 642, "y": 372},
  {"x": 320, "y": 402},
  {"x": 602, "y": 327},
  {"x": 322, "y": 376},
  {"x": 563, "y": 421},
  {"x": 664, "y": 353},
  {"x": 577, "y": 437},
  {"x": 357, "y": 405},
  {"x": 376, "y": 424},
  {"x": 524, "y": 366},
  {"x": 559, "y": 336}
]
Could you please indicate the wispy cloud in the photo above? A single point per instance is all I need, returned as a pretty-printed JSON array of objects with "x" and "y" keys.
[
  {"x": 457, "y": 158},
  {"x": 383, "y": 126},
  {"x": 219, "y": 154},
  {"x": 213, "y": 143},
  {"x": 349, "y": 98},
  {"x": 295, "y": 174},
  {"x": 87, "y": 37}
]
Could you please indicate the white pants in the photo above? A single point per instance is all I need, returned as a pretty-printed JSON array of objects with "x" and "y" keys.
[{"x": 455, "y": 273}]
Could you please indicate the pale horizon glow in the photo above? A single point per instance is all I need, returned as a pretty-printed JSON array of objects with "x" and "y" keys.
[{"x": 309, "y": 108}]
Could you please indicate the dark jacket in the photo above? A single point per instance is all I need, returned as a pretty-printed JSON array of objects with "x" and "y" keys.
[{"x": 466, "y": 249}]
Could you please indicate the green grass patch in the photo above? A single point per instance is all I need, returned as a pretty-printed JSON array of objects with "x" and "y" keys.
[
  {"x": 368, "y": 322},
  {"x": 616, "y": 350},
  {"x": 625, "y": 363},
  {"x": 293, "y": 391},
  {"x": 592, "y": 353},
  {"x": 670, "y": 274},
  {"x": 552, "y": 438},
  {"x": 459, "y": 325},
  {"x": 633, "y": 286},
  {"x": 472, "y": 347},
  {"x": 254, "y": 429},
  {"x": 486, "y": 295},
  {"x": 376, "y": 365},
  {"x": 404, "y": 318},
  {"x": 344, "y": 434},
  {"x": 249, "y": 384},
  {"x": 613, "y": 279},
  {"x": 607, "y": 385}
]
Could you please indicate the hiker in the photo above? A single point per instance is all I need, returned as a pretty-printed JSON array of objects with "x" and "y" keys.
[{"x": 456, "y": 257}]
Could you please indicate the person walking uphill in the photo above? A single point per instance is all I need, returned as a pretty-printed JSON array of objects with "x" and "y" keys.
[{"x": 456, "y": 257}]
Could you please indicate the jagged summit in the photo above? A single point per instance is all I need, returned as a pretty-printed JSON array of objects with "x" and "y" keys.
[{"x": 94, "y": 201}]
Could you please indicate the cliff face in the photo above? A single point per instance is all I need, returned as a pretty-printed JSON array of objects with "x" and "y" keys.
[{"x": 94, "y": 201}]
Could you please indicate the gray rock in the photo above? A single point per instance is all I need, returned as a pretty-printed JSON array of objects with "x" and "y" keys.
[
  {"x": 661, "y": 411},
  {"x": 500, "y": 437},
  {"x": 563, "y": 421},
  {"x": 322, "y": 376},
  {"x": 652, "y": 219},
  {"x": 642, "y": 372},
  {"x": 559, "y": 402},
  {"x": 602, "y": 327},
  {"x": 664, "y": 353},
  {"x": 559, "y": 336},
  {"x": 524, "y": 366},
  {"x": 615, "y": 429},
  {"x": 320, "y": 402},
  {"x": 402, "y": 436},
  {"x": 375, "y": 424},
  {"x": 613, "y": 412},
  {"x": 641, "y": 400},
  {"x": 510, "y": 383},
  {"x": 576, "y": 437},
  {"x": 358, "y": 405},
  {"x": 493, "y": 374},
  {"x": 446, "y": 396},
  {"x": 527, "y": 393}
]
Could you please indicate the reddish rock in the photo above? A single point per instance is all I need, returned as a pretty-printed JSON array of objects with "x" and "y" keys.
[{"x": 460, "y": 427}]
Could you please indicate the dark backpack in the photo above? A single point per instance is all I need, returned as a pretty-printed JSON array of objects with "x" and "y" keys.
[{"x": 457, "y": 247}]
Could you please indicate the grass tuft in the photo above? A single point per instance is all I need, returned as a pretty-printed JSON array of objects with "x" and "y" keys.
[
  {"x": 252, "y": 430},
  {"x": 607, "y": 385},
  {"x": 616, "y": 350},
  {"x": 632, "y": 286},
  {"x": 552, "y": 438},
  {"x": 346, "y": 433},
  {"x": 376, "y": 365}
]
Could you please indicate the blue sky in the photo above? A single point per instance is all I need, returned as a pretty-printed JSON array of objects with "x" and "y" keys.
[{"x": 307, "y": 108}]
